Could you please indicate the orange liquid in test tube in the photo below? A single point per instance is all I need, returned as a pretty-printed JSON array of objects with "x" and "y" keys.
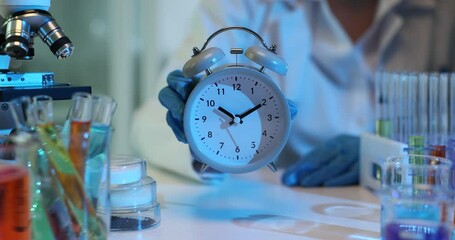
[
  {"x": 78, "y": 145},
  {"x": 438, "y": 151},
  {"x": 15, "y": 219}
]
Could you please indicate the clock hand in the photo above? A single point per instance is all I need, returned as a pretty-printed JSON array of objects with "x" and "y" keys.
[
  {"x": 230, "y": 134},
  {"x": 226, "y": 112},
  {"x": 235, "y": 119},
  {"x": 231, "y": 137},
  {"x": 241, "y": 116},
  {"x": 250, "y": 111}
]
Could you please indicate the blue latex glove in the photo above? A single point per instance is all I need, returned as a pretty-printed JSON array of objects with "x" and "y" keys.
[
  {"x": 174, "y": 96},
  {"x": 334, "y": 163}
]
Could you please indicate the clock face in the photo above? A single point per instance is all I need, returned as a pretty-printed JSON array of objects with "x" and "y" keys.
[{"x": 236, "y": 120}]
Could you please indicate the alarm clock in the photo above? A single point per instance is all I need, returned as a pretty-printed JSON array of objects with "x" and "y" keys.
[{"x": 236, "y": 119}]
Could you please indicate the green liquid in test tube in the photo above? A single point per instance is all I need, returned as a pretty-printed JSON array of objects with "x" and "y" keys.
[
  {"x": 383, "y": 122},
  {"x": 416, "y": 147}
]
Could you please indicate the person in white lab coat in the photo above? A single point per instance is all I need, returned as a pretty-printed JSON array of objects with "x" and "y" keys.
[{"x": 333, "y": 48}]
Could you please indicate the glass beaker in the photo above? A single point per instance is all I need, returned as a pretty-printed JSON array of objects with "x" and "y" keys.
[
  {"x": 39, "y": 122},
  {"x": 15, "y": 200},
  {"x": 416, "y": 198}
]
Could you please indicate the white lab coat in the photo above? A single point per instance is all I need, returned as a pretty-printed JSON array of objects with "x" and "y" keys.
[{"x": 329, "y": 77}]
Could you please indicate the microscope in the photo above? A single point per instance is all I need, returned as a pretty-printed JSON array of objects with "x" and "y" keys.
[{"x": 22, "y": 21}]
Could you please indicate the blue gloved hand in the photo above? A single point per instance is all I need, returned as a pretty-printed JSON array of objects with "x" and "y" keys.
[
  {"x": 174, "y": 96},
  {"x": 334, "y": 163}
]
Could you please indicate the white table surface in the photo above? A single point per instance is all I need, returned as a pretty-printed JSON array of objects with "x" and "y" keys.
[{"x": 257, "y": 206}]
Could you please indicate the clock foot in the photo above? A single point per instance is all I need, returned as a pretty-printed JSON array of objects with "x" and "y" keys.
[
  {"x": 272, "y": 167},
  {"x": 204, "y": 167}
]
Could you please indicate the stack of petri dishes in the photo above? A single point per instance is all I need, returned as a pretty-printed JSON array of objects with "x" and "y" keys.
[{"x": 133, "y": 195}]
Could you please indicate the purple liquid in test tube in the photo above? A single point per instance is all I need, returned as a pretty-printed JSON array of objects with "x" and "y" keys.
[{"x": 412, "y": 231}]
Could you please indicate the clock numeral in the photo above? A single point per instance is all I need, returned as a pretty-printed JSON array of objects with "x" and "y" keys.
[
  {"x": 264, "y": 133},
  {"x": 236, "y": 86},
  {"x": 269, "y": 117},
  {"x": 237, "y": 149},
  {"x": 253, "y": 144},
  {"x": 210, "y": 134},
  {"x": 210, "y": 103},
  {"x": 221, "y": 145},
  {"x": 264, "y": 101},
  {"x": 204, "y": 118},
  {"x": 252, "y": 90},
  {"x": 220, "y": 91}
]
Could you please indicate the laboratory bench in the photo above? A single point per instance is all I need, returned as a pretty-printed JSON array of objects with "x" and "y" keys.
[{"x": 257, "y": 206}]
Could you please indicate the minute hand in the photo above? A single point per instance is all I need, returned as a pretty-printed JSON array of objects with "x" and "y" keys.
[{"x": 247, "y": 112}]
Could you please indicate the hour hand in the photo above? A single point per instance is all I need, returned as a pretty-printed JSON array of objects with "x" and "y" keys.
[{"x": 226, "y": 112}]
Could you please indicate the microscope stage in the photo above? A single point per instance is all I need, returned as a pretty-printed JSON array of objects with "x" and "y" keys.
[{"x": 58, "y": 91}]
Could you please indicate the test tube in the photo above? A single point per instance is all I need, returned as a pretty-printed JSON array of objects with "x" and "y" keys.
[
  {"x": 416, "y": 142},
  {"x": 396, "y": 106},
  {"x": 383, "y": 121},
  {"x": 97, "y": 174},
  {"x": 80, "y": 119},
  {"x": 433, "y": 107},
  {"x": 412, "y": 105},
  {"x": 403, "y": 104},
  {"x": 450, "y": 154},
  {"x": 103, "y": 108},
  {"x": 438, "y": 113},
  {"x": 422, "y": 104},
  {"x": 451, "y": 140},
  {"x": 44, "y": 108},
  {"x": 20, "y": 109},
  {"x": 443, "y": 110}
]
